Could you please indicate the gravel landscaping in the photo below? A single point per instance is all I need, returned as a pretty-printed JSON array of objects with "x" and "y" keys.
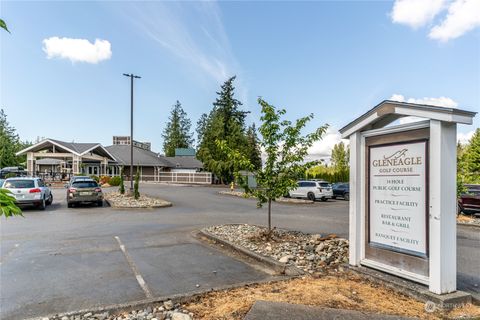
[
  {"x": 166, "y": 311},
  {"x": 283, "y": 199},
  {"x": 118, "y": 200},
  {"x": 311, "y": 253}
]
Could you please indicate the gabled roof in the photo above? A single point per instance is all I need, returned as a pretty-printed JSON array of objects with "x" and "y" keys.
[
  {"x": 185, "y": 162},
  {"x": 141, "y": 157},
  {"x": 76, "y": 148},
  {"x": 388, "y": 111}
]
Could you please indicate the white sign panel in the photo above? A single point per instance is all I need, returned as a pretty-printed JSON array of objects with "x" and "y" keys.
[{"x": 397, "y": 207}]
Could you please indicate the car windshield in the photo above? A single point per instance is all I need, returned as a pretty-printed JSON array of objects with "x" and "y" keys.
[
  {"x": 85, "y": 184},
  {"x": 19, "y": 184}
]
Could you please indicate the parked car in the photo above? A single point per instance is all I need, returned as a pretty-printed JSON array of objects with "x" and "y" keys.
[
  {"x": 312, "y": 190},
  {"x": 341, "y": 189},
  {"x": 469, "y": 202},
  {"x": 84, "y": 191},
  {"x": 12, "y": 171},
  {"x": 29, "y": 191},
  {"x": 77, "y": 178}
]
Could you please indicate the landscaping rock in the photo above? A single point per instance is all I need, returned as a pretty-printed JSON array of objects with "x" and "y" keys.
[
  {"x": 166, "y": 311},
  {"x": 311, "y": 253},
  {"x": 118, "y": 200}
]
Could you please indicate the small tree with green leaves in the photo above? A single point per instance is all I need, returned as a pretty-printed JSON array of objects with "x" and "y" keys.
[
  {"x": 8, "y": 207},
  {"x": 122, "y": 182},
  {"x": 285, "y": 148},
  {"x": 136, "y": 193}
]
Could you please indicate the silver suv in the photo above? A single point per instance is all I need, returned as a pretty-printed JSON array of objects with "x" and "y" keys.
[
  {"x": 29, "y": 191},
  {"x": 312, "y": 190}
]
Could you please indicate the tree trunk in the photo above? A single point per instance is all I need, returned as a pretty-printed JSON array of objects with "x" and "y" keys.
[{"x": 269, "y": 215}]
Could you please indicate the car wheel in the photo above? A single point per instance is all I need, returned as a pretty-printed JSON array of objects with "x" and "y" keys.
[
  {"x": 334, "y": 197},
  {"x": 70, "y": 205},
  {"x": 100, "y": 203},
  {"x": 43, "y": 204},
  {"x": 346, "y": 196},
  {"x": 311, "y": 196},
  {"x": 324, "y": 199},
  {"x": 459, "y": 208},
  {"x": 50, "y": 199}
]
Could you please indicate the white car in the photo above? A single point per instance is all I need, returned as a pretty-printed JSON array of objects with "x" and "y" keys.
[
  {"x": 29, "y": 191},
  {"x": 312, "y": 190}
]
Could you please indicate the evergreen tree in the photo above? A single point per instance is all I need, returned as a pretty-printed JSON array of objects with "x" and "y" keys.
[
  {"x": 472, "y": 158},
  {"x": 201, "y": 127},
  {"x": 225, "y": 122},
  {"x": 177, "y": 132},
  {"x": 253, "y": 152},
  {"x": 9, "y": 143}
]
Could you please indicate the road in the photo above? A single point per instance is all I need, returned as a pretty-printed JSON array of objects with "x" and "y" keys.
[{"x": 68, "y": 259}]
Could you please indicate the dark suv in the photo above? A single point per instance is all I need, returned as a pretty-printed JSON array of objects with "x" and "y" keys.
[
  {"x": 469, "y": 202},
  {"x": 341, "y": 189},
  {"x": 84, "y": 190}
]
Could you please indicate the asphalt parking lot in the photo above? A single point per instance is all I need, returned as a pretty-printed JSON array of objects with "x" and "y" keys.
[{"x": 63, "y": 259}]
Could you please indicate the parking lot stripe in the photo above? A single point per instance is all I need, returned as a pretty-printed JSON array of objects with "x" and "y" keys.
[
  {"x": 9, "y": 253},
  {"x": 132, "y": 265}
]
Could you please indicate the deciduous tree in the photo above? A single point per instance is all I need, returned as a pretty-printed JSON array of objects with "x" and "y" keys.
[{"x": 285, "y": 148}]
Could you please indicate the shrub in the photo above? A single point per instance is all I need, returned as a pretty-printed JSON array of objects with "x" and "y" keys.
[
  {"x": 136, "y": 194},
  {"x": 115, "y": 181},
  {"x": 96, "y": 178},
  {"x": 10, "y": 175},
  {"x": 122, "y": 185}
]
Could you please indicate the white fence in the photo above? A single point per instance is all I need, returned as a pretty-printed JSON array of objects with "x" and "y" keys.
[{"x": 179, "y": 177}]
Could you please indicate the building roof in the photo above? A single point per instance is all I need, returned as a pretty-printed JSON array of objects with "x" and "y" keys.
[
  {"x": 79, "y": 149},
  {"x": 185, "y": 162},
  {"x": 141, "y": 157},
  {"x": 388, "y": 111}
]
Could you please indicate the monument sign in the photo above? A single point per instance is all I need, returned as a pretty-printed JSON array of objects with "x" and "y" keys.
[{"x": 403, "y": 192}]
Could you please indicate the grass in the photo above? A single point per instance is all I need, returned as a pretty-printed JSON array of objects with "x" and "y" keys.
[{"x": 347, "y": 291}]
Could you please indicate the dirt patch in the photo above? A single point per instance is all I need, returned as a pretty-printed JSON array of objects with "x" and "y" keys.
[
  {"x": 466, "y": 219},
  {"x": 347, "y": 291}
]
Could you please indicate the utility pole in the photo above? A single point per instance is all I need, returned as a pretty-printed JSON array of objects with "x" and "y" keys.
[{"x": 132, "y": 76}]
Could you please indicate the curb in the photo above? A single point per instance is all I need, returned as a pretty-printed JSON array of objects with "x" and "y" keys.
[
  {"x": 139, "y": 304},
  {"x": 274, "y": 265}
]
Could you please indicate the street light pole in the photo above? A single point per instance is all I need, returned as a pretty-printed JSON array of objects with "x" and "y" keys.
[{"x": 131, "y": 127}]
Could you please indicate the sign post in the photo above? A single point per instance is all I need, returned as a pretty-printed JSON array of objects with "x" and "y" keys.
[{"x": 403, "y": 192}]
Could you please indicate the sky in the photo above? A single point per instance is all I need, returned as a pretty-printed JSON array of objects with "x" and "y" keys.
[{"x": 62, "y": 64}]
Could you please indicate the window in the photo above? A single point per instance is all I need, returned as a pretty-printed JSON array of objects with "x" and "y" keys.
[
  {"x": 85, "y": 184},
  {"x": 19, "y": 184},
  {"x": 40, "y": 183},
  {"x": 324, "y": 184}
]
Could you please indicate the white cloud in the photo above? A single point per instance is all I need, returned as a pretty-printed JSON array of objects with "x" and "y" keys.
[
  {"x": 416, "y": 13},
  {"x": 441, "y": 101},
  {"x": 77, "y": 50},
  {"x": 322, "y": 149},
  {"x": 465, "y": 137},
  {"x": 463, "y": 16}
]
